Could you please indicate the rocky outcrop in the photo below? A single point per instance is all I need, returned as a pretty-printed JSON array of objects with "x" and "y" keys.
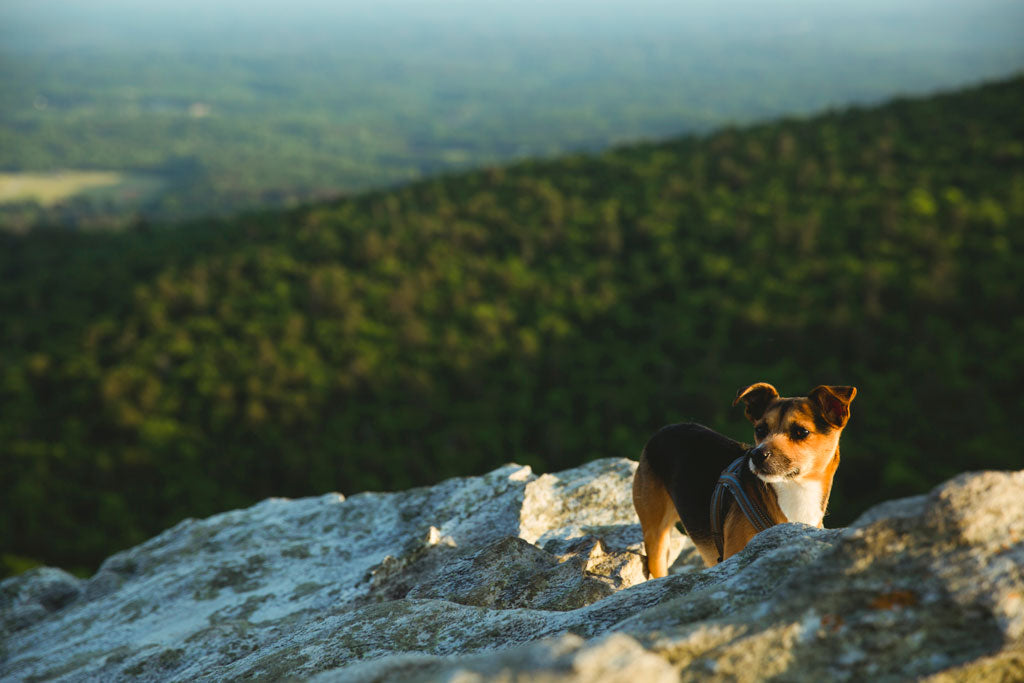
[{"x": 512, "y": 574}]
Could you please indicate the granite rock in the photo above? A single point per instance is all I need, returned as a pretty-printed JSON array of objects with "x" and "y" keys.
[{"x": 510, "y": 576}]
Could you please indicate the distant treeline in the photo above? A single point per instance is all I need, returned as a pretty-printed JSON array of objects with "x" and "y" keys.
[{"x": 546, "y": 313}]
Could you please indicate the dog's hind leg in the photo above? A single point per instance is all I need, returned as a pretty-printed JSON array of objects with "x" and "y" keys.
[{"x": 657, "y": 516}]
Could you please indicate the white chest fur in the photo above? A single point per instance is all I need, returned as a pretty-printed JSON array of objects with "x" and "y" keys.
[{"x": 800, "y": 501}]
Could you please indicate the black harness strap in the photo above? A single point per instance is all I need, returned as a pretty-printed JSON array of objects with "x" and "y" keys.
[{"x": 751, "y": 507}]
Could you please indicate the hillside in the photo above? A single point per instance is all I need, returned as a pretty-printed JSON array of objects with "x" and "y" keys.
[{"x": 546, "y": 313}]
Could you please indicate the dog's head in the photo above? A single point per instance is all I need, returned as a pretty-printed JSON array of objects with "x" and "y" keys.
[{"x": 796, "y": 437}]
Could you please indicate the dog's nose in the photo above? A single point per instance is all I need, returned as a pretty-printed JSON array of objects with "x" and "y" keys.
[{"x": 760, "y": 455}]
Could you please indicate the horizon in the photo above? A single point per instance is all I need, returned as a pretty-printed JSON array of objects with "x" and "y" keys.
[{"x": 989, "y": 25}]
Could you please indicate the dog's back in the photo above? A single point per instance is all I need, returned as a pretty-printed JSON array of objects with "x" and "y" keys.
[
  {"x": 706, "y": 453},
  {"x": 675, "y": 480}
]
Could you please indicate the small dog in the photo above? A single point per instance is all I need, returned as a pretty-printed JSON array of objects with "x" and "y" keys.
[{"x": 789, "y": 471}]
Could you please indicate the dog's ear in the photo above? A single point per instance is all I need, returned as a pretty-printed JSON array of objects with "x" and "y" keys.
[
  {"x": 756, "y": 398},
  {"x": 834, "y": 403}
]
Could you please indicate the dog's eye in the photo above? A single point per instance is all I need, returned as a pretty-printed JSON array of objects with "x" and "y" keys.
[
  {"x": 761, "y": 431},
  {"x": 796, "y": 432}
]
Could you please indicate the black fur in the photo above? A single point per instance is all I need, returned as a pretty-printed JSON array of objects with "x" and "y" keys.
[{"x": 688, "y": 458}]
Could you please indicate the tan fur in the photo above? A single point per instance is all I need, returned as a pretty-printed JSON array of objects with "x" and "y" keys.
[{"x": 657, "y": 516}]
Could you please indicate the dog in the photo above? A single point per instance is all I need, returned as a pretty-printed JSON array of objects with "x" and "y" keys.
[{"x": 788, "y": 472}]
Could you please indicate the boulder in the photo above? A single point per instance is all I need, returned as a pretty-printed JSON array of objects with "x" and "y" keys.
[{"x": 513, "y": 575}]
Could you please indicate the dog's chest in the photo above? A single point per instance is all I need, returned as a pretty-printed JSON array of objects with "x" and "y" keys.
[{"x": 800, "y": 501}]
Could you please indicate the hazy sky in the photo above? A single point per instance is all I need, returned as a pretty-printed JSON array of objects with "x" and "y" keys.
[{"x": 222, "y": 24}]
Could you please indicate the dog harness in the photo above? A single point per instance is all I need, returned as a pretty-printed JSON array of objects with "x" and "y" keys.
[{"x": 751, "y": 506}]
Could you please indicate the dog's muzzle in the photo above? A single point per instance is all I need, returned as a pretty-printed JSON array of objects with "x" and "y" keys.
[
  {"x": 765, "y": 462},
  {"x": 759, "y": 455}
]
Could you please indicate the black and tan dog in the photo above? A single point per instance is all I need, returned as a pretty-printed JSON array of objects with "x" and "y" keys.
[{"x": 790, "y": 470}]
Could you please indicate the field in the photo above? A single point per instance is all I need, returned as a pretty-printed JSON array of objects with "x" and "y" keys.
[
  {"x": 49, "y": 188},
  {"x": 76, "y": 199}
]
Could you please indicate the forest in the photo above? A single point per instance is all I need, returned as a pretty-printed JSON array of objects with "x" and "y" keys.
[{"x": 545, "y": 312}]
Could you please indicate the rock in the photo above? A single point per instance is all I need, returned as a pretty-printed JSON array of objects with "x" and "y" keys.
[
  {"x": 35, "y": 594},
  {"x": 613, "y": 659},
  {"x": 511, "y": 575}
]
